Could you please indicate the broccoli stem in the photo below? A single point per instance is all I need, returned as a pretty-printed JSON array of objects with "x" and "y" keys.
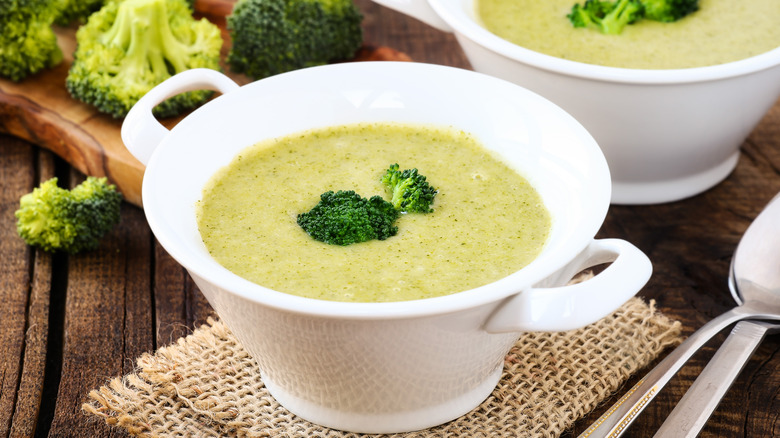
[{"x": 142, "y": 29}]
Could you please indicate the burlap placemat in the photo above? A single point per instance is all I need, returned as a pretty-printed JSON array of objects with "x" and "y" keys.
[{"x": 206, "y": 385}]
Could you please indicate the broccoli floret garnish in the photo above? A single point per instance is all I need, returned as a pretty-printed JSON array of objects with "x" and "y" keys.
[
  {"x": 409, "y": 190},
  {"x": 345, "y": 217},
  {"x": 128, "y": 47},
  {"x": 669, "y": 10},
  {"x": 611, "y": 17},
  {"x": 275, "y": 36},
  {"x": 27, "y": 42},
  {"x": 57, "y": 219}
]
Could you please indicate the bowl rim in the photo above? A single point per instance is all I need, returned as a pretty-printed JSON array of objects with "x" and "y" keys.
[
  {"x": 221, "y": 278},
  {"x": 454, "y": 13}
]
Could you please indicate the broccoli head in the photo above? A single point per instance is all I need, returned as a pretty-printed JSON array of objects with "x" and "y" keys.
[
  {"x": 669, "y": 10},
  {"x": 128, "y": 47},
  {"x": 57, "y": 219},
  {"x": 409, "y": 190},
  {"x": 27, "y": 42},
  {"x": 275, "y": 36},
  {"x": 345, "y": 217},
  {"x": 610, "y": 18}
]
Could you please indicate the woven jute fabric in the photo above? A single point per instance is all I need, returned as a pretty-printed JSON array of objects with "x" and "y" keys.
[{"x": 206, "y": 385}]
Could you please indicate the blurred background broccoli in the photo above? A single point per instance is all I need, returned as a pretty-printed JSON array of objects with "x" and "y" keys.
[
  {"x": 130, "y": 46},
  {"x": 27, "y": 42},
  {"x": 275, "y": 36}
]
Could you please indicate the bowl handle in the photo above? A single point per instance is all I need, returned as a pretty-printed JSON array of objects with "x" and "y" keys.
[
  {"x": 141, "y": 132},
  {"x": 419, "y": 9},
  {"x": 577, "y": 305}
]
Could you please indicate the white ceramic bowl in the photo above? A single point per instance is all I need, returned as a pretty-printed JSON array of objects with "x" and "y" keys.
[
  {"x": 666, "y": 134},
  {"x": 388, "y": 367}
]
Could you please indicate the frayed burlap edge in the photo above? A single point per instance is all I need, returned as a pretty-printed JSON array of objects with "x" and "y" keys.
[{"x": 206, "y": 385}]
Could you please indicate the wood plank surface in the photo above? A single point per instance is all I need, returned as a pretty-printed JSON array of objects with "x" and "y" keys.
[{"x": 69, "y": 323}]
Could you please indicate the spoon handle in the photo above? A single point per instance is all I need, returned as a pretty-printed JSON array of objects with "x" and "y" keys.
[
  {"x": 701, "y": 399},
  {"x": 616, "y": 419}
]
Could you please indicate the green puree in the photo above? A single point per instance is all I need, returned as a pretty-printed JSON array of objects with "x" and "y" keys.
[
  {"x": 487, "y": 222},
  {"x": 720, "y": 31}
]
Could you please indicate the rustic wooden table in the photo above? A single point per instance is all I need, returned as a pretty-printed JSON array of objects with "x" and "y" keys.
[{"x": 68, "y": 323}]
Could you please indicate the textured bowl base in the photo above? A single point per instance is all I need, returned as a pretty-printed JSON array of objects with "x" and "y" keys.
[
  {"x": 633, "y": 193},
  {"x": 393, "y": 422}
]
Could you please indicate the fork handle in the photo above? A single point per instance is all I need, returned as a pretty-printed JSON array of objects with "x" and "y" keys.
[
  {"x": 704, "y": 395},
  {"x": 614, "y": 422}
]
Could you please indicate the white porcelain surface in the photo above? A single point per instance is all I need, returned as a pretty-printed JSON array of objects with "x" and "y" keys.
[
  {"x": 666, "y": 134},
  {"x": 389, "y": 367}
]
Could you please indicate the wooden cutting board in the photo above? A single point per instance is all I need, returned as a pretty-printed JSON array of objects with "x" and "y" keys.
[{"x": 39, "y": 109}]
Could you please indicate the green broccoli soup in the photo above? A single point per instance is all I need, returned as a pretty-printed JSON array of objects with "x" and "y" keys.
[
  {"x": 720, "y": 31},
  {"x": 487, "y": 220}
]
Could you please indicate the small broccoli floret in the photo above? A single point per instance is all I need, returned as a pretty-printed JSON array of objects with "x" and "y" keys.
[
  {"x": 409, "y": 190},
  {"x": 345, "y": 217},
  {"x": 57, "y": 219},
  {"x": 27, "y": 42},
  {"x": 130, "y": 46},
  {"x": 275, "y": 36},
  {"x": 610, "y": 18},
  {"x": 669, "y": 10}
]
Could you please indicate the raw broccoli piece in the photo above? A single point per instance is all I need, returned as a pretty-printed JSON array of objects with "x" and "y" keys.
[
  {"x": 669, "y": 10},
  {"x": 409, "y": 190},
  {"x": 345, "y": 217},
  {"x": 77, "y": 10},
  {"x": 57, "y": 219},
  {"x": 27, "y": 42},
  {"x": 128, "y": 47},
  {"x": 610, "y": 18},
  {"x": 275, "y": 36}
]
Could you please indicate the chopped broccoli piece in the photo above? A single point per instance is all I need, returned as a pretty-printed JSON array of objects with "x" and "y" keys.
[
  {"x": 409, "y": 190},
  {"x": 128, "y": 47},
  {"x": 669, "y": 10},
  {"x": 275, "y": 36},
  {"x": 27, "y": 42},
  {"x": 610, "y": 18},
  {"x": 77, "y": 10},
  {"x": 345, "y": 217},
  {"x": 57, "y": 219}
]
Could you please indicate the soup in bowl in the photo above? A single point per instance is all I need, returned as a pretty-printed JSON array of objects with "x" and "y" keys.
[
  {"x": 414, "y": 362},
  {"x": 670, "y": 126}
]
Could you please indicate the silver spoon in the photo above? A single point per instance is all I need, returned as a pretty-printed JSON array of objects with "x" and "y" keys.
[{"x": 756, "y": 273}]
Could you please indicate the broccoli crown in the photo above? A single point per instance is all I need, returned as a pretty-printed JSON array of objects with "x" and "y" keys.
[
  {"x": 128, "y": 47},
  {"x": 275, "y": 36},
  {"x": 56, "y": 219},
  {"x": 669, "y": 10},
  {"x": 409, "y": 190},
  {"x": 610, "y": 18},
  {"x": 345, "y": 217},
  {"x": 27, "y": 42}
]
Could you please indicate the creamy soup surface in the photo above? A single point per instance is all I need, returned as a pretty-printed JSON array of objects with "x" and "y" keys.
[
  {"x": 720, "y": 31},
  {"x": 488, "y": 221}
]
